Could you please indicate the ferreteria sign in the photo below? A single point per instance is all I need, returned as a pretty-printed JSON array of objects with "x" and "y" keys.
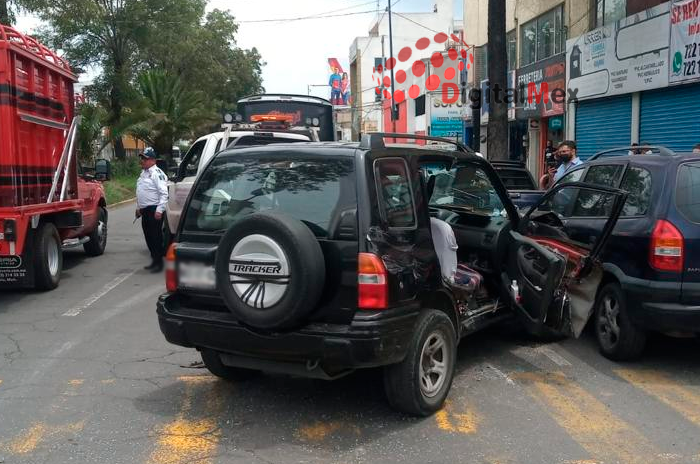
[
  {"x": 685, "y": 42},
  {"x": 546, "y": 78},
  {"x": 628, "y": 56}
]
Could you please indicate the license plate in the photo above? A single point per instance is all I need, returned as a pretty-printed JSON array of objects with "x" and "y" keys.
[{"x": 196, "y": 276}]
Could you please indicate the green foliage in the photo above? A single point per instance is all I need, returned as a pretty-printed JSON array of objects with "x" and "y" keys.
[
  {"x": 122, "y": 186},
  {"x": 127, "y": 168},
  {"x": 174, "y": 112},
  {"x": 126, "y": 38},
  {"x": 89, "y": 131}
]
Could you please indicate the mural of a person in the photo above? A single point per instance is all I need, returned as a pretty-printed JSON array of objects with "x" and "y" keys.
[
  {"x": 345, "y": 88},
  {"x": 334, "y": 82}
]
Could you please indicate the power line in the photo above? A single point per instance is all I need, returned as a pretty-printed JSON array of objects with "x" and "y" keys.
[
  {"x": 415, "y": 22},
  {"x": 302, "y": 18}
]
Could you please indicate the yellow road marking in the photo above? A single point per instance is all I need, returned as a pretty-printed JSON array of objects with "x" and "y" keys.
[
  {"x": 76, "y": 382},
  {"x": 682, "y": 399},
  {"x": 319, "y": 431},
  {"x": 187, "y": 439},
  {"x": 588, "y": 421},
  {"x": 450, "y": 421},
  {"x": 28, "y": 441},
  {"x": 38, "y": 433}
]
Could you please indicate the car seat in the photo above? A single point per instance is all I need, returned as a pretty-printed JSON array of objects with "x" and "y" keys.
[{"x": 455, "y": 274}]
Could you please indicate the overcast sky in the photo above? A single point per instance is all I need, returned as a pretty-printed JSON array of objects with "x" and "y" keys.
[{"x": 296, "y": 52}]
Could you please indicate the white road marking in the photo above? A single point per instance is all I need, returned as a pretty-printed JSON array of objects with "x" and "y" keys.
[
  {"x": 537, "y": 354},
  {"x": 501, "y": 374},
  {"x": 93, "y": 298},
  {"x": 558, "y": 359}
]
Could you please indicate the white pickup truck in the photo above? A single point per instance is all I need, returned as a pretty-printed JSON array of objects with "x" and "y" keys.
[{"x": 200, "y": 153}]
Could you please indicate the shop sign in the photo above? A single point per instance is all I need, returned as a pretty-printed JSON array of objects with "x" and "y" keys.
[
  {"x": 628, "y": 56},
  {"x": 556, "y": 123},
  {"x": 547, "y": 76},
  {"x": 446, "y": 118},
  {"x": 684, "y": 53}
]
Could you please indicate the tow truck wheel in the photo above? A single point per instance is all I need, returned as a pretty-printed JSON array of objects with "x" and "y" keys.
[
  {"x": 98, "y": 238},
  {"x": 48, "y": 258}
]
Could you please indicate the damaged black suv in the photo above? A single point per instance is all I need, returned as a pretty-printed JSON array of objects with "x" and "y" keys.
[{"x": 316, "y": 259}]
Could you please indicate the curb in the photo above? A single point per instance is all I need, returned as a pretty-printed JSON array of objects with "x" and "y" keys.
[{"x": 131, "y": 200}]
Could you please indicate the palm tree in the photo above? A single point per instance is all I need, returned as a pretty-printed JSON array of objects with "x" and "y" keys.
[{"x": 174, "y": 112}]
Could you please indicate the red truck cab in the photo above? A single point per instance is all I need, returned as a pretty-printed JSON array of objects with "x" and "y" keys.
[{"x": 45, "y": 206}]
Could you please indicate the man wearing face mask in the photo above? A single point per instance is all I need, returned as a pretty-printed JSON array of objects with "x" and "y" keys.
[{"x": 567, "y": 155}]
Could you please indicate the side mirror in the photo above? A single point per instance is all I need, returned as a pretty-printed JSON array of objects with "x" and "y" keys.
[{"x": 103, "y": 170}]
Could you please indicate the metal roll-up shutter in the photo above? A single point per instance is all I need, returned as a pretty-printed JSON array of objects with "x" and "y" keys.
[
  {"x": 671, "y": 117},
  {"x": 603, "y": 124}
]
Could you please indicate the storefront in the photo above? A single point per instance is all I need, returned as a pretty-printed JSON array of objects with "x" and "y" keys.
[
  {"x": 603, "y": 123},
  {"x": 543, "y": 116},
  {"x": 620, "y": 76}
]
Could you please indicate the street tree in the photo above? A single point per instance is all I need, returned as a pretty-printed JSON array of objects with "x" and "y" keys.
[
  {"x": 206, "y": 58},
  {"x": 497, "y": 137},
  {"x": 173, "y": 110},
  {"x": 120, "y": 38},
  {"x": 9, "y": 9}
]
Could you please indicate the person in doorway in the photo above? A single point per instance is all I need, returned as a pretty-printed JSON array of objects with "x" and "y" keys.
[
  {"x": 696, "y": 149},
  {"x": 151, "y": 199},
  {"x": 567, "y": 155}
]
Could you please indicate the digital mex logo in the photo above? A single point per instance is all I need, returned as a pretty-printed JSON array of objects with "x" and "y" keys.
[{"x": 450, "y": 90}]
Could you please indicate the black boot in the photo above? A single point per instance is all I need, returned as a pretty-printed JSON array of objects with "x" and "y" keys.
[
  {"x": 157, "y": 267},
  {"x": 151, "y": 266}
]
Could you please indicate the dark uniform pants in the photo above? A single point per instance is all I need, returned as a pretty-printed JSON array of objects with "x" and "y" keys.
[{"x": 153, "y": 231}]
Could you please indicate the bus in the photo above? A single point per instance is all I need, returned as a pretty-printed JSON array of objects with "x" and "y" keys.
[{"x": 297, "y": 110}]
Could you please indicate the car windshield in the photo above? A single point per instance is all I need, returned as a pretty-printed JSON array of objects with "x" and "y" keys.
[
  {"x": 311, "y": 190},
  {"x": 464, "y": 188}
]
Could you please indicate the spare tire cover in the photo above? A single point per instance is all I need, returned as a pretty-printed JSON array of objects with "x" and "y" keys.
[{"x": 270, "y": 270}]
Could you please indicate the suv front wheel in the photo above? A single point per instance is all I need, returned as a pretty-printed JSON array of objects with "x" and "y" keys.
[{"x": 419, "y": 384}]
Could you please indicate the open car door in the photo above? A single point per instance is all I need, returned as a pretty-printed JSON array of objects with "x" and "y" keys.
[{"x": 550, "y": 278}]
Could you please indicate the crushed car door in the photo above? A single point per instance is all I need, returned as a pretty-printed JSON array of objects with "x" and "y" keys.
[{"x": 544, "y": 266}]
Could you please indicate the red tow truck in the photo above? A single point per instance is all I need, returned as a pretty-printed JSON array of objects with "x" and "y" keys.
[{"x": 45, "y": 205}]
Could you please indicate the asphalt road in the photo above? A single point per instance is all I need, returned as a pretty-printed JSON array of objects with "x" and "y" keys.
[{"x": 86, "y": 377}]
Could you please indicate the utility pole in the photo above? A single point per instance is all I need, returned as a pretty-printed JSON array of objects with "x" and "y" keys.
[
  {"x": 391, "y": 57},
  {"x": 497, "y": 137}
]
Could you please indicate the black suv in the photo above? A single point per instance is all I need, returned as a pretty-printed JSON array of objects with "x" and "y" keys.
[
  {"x": 652, "y": 261},
  {"x": 317, "y": 259}
]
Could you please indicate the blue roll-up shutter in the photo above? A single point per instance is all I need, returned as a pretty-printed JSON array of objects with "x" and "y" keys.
[
  {"x": 603, "y": 124},
  {"x": 671, "y": 117}
]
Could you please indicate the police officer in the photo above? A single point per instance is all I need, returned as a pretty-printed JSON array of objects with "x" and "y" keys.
[{"x": 151, "y": 199}]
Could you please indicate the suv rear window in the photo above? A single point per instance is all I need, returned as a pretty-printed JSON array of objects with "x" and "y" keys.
[
  {"x": 516, "y": 179},
  {"x": 688, "y": 191},
  {"x": 315, "y": 191}
]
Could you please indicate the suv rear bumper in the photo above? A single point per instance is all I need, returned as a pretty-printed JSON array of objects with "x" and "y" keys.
[
  {"x": 657, "y": 306},
  {"x": 315, "y": 350}
]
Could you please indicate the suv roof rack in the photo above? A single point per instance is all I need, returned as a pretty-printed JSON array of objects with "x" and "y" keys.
[
  {"x": 375, "y": 140},
  {"x": 663, "y": 151}
]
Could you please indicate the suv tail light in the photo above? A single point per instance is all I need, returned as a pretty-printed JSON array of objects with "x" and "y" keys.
[
  {"x": 666, "y": 249},
  {"x": 170, "y": 269},
  {"x": 372, "y": 287}
]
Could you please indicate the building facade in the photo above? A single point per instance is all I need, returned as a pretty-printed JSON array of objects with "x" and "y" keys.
[
  {"x": 610, "y": 58},
  {"x": 370, "y": 52}
]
